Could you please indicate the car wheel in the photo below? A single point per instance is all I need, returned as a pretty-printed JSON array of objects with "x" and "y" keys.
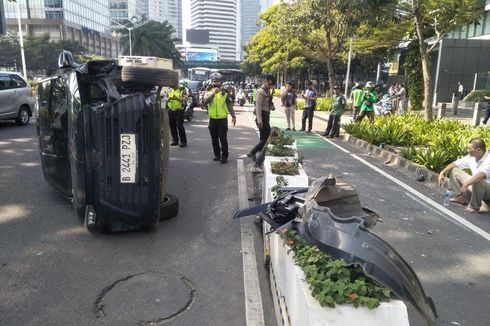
[
  {"x": 149, "y": 76},
  {"x": 23, "y": 116},
  {"x": 169, "y": 208}
]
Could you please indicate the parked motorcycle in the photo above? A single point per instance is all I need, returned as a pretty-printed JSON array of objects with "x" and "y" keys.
[{"x": 383, "y": 107}]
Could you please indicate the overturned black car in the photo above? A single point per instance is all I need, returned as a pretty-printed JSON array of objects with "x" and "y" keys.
[
  {"x": 103, "y": 139},
  {"x": 330, "y": 216}
]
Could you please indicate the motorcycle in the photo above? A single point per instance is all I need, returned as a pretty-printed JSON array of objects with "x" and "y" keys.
[
  {"x": 241, "y": 97},
  {"x": 189, "y": 108},
  {"x": 383, "y": 107}
]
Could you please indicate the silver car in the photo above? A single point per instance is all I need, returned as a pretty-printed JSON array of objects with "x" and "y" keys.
[{"x": 16, "y": 101}]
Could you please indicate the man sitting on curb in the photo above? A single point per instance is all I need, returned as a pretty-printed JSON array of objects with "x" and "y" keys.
[{"x": 476, "y": 186}]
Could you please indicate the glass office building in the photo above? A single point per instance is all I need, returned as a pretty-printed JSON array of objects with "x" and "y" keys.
[{"x": 83, "y": 21}]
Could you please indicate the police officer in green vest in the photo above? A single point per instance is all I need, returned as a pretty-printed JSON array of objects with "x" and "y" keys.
[
  {"x": 218, "y": 104},
  {"x": 177, "y": 98}
]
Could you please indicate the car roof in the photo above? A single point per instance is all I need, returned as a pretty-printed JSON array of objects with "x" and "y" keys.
[{"x": 10, "y": 72}]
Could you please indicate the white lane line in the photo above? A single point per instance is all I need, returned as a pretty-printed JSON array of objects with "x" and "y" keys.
[
  {"x": 448, "y": 214},
  {"x": 254, "y": 311}
]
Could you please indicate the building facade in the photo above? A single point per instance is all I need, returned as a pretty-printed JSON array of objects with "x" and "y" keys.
[
  {"x": 220, "y": 18},
  {"x": 167, "y": 10},
  {"x": 84, "y": 21},
  {"x": 248, "y": 23},
  {"x": 123, "y": 10}
]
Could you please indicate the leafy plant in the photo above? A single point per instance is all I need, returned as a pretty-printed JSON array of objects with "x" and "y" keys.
[
  {"x": 278, "y": 138},
  {"x": 280, "y": 183},
  {"x": 477, "y": 95},
  {"x": 282, "y": 151},
  {"x": 286, "y": 167},
  {"x": 413, "y": 70},
  {"x": 333, "y": 281}
]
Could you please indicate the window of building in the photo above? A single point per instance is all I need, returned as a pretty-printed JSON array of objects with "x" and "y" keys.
[
  {"x": 53, "y": 3},
  {"x": 54, "y": 14}
]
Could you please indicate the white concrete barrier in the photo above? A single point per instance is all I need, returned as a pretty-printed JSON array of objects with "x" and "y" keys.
[{"x": 293, "y": 302}]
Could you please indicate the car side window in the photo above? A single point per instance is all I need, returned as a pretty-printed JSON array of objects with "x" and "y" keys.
[
  {"x": 5, "y": 82},
  {"x": 18, "y": 82}
]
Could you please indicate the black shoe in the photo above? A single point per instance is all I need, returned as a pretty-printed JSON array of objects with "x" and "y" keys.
[
  {"x": 325, "y": 134},
  {"x": 217, "y": 158},
  {"x": 183, "y": 145},
  {"x": 288, "y": 128},
  {"x": 224, "y": 160},
  {"x": 252, "y": 156},
  {"x": 174, "y": 144}
]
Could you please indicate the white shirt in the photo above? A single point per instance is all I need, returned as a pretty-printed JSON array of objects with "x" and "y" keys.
[
  {"x": 460, "y": 88},
  {"x": 483, "y": 165}
]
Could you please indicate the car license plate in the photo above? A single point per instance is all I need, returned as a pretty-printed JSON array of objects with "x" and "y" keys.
[{"x": 129, "y": 158}]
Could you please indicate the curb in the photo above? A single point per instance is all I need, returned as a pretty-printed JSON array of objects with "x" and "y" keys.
[{"x": 396, "y": 161}]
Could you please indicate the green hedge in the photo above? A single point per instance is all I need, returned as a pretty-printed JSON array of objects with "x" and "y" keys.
[
  {"x": 322, "y": 104},
  {"x": 432, "y": 144},
  {"x": 477, "y": 95}
]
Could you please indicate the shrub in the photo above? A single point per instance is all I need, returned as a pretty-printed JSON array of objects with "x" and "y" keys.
[
  {"x": 333, "y": 281},
  {"x": 432, "y": 144},
  {"x": 477, "y": 95},
  {"x": 286, "y": 167},
  {"x": 280, "y": 150}
]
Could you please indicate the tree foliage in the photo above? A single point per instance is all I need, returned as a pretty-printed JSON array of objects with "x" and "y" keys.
[{"x": 152, "y": 39}]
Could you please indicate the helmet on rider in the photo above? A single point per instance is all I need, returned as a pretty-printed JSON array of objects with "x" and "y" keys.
[{"x": 216, "y": 77}]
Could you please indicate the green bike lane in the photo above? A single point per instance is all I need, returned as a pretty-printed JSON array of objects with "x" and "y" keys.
[{"x": 452, "y": 261}]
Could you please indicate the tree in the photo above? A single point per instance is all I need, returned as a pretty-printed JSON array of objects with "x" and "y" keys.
[
  {"x": 152, "y": 39},
  {"x": 340, "y": 20},
  {"x": 437, "y": 18},
  {"x": 277, "y": 47}
]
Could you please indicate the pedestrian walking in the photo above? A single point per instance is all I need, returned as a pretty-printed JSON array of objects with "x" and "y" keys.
[
  {"x": 475, "y": 187},
  {"x": 177, "y": 98},
  {"x": 263, "y": 107},
  {"x": 218, "y": 105},
  {"x": 310, "y": 96},
  {"x": 401, "y": 94},
  {"x": 289, "y": 100},
  {"x": 338, "y": 108},
  {"x": 460, "y": 90},
  {"x": 370, "y": 96},
  {"x": 357, "y": 99}
]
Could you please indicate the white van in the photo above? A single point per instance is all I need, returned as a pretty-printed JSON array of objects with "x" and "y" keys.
[{"x": 16, "y": 101}]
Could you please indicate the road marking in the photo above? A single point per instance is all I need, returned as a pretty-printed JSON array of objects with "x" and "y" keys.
[{"x": 254, "y": 311}]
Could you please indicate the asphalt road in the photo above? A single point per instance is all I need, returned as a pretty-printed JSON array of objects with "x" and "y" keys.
[
  {"x": 187, "y": 272},
  {"x": 53, "y": 272}
]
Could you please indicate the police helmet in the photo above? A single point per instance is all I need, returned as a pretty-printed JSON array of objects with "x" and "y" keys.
[{"x": 216, "y": 76}]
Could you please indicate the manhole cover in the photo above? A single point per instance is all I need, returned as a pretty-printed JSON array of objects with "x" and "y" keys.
[{"x": 145, "y": 298}]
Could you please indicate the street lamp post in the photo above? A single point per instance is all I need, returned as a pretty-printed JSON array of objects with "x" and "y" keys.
[
  {"x": 129, "y": 32},
  {"x": 21, "y": 41}
]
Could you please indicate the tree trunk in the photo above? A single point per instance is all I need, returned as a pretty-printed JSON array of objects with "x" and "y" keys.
[
  {"x": 331, "y": 75},
  {"x": 424, "y": 55}
]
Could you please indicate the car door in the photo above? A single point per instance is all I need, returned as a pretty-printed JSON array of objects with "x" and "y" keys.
[
  {"x": 52, "y": 125},
  {"x": 23, "y": 91},
  {"x": 7, "y": 97}
]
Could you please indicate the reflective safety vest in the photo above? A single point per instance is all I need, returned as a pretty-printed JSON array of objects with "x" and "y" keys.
[
  {"x": 218, "y": 109},
  {"x": 175, "y": 104}
]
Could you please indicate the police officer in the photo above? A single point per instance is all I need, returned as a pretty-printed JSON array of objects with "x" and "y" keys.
[
  {"x": 177, "y": 98},
  {"x": 218, "y": 104}
]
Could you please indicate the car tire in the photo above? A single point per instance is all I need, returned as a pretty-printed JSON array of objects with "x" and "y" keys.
[
  {"x": 23, "y": 116},
  {"x": 169, "y": 208},
  {"x": 149, "y": 76}
]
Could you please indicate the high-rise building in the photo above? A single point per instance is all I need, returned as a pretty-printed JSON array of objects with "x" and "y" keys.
[
  {"x": 248, "y": 22},
  {"x": 85, "y": 21},
  {"x": 167, "y": 10},
  {"x": 220, "y": 18},
  {"x": 123, "y": 10}
]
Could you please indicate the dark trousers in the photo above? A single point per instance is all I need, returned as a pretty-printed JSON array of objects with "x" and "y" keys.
[
  {"x": 487, "y": 114},
  {"x": 176, "y": 122},
  {"x": 264, "y": 132},
  {"x": 218, "y": 128},
  {"x": 369, "y": 114},
  {"x": 333, "y": 126},
  {"x": 307, "y": 114}
]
